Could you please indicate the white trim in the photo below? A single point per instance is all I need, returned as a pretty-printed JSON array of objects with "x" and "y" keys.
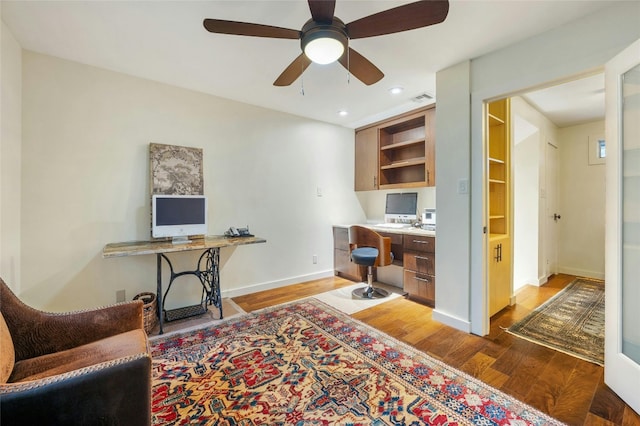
[
  {"x": 253, "y": 288},
  {"x": 451, "y": 321},
  {"x": 581, "y": 272},
  {"x": 621, "y": 373}
]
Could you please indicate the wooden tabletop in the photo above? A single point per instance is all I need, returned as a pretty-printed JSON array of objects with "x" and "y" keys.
[{"x": 132, "y": 248}]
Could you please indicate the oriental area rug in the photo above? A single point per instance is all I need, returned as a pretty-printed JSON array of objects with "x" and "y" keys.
[
  {"x": 305, "y": 363},
  {"x": 572, "y": 321}
]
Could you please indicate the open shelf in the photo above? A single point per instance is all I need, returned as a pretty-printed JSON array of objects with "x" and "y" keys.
[
  {"x": 499, "y": 220},
  {"x": 404, "y": 163},
  {"x": 495, "y": 121},
  {"x": 406, "y": 151},
  {"x": 404, "y": 144},
  {"x": 397, "y": 153},
  {"x": 414, "y": 184}
]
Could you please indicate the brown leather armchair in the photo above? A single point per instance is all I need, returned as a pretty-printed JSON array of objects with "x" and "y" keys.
[{"x": 78, "y": 368}]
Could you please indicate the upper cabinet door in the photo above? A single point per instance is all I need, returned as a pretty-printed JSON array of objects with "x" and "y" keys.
[
  {"x": 430, "y": 147},
  {"x": 366, "y": 158},
  {"x": 622, "y": 288}
]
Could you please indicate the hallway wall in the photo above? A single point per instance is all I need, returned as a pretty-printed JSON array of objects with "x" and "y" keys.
[{"x": 581, "y": 203}]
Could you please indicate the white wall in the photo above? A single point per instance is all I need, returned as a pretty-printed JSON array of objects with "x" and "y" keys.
[
  {"x": 85, "y": 183},
  {"x": 452, "y": 154},
  {"x": 558, "y": 54},
  {"x": 10, "y": 158},
  {"x": 526, "y": 195},
  {"x": 373, "y": 202},
  {"x": 531, "y": 132},
  {"x": 581, "y": 203}
]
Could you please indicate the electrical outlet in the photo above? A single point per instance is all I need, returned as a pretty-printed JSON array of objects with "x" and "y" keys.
[
  {"x": 319, "y": 191},
  {"x": 315, "y": 259},
  {"x": 121, "y": 296}
]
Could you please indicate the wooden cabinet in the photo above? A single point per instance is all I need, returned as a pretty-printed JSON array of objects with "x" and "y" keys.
[
  {"x": 366, "y": 165},
  {"x": 499, "y": 214},
  {"x": 499, "y": 273},
  {"x": 414, "y": 253},
  {"x": 342, "y": 264},
  {"x": 404, "y": 152},
  {"x": 396, "y": 246},
  {"x": 419, "y": 268}
]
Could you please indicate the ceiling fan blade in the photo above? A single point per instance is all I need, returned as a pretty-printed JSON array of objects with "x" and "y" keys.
[
  {"x": 293, "y": 71},
  {"x": 322, "y": 10},
  {"x": 402, "y": 18},
  {"x": 247, "y": 29},
  {"x": 360, "y": 67}
]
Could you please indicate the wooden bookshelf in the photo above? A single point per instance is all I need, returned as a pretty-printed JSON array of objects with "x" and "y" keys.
[{"x": 499, "y": 215}]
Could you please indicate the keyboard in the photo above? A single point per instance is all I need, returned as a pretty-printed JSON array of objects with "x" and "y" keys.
[{"x": 393, "y": 225}]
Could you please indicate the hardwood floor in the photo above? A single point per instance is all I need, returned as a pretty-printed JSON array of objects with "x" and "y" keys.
[{"x": 567, "y": 388}]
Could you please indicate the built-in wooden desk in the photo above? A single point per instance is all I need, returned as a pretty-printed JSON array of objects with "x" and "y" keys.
[
  {"x": 207, "y": 269},
  {"x": 413, "y": 249}
]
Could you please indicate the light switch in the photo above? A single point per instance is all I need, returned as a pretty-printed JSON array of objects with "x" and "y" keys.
[{"x": 463, "y": 186}]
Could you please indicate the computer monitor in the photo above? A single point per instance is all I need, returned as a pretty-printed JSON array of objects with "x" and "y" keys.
[
  {"x": 401, "y": 207},
  {"x": 178, "y": 216}
]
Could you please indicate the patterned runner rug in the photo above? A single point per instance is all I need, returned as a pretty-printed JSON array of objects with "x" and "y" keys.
[
  {"x": 572, "y": 321},
  {"x": 306, "y": 363}
]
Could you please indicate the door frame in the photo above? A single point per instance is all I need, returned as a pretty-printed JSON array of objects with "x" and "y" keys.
[
  {"x": 479, "y": 286},
  {"x": 621, "y": 373},
  {"x": 550, "y": 238}
]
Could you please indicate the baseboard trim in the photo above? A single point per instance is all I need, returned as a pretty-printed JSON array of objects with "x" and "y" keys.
[
  {"x": 581, "y": 273},
  {"x": 451, "y": 321},
  {"x": 253, "y": 288}
]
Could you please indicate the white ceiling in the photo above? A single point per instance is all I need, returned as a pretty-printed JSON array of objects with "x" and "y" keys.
[
  {"x": 577, "y": 101},
  {"x": 166, "y": 42}
]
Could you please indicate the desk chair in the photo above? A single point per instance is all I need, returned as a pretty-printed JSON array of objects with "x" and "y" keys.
[{"x": 368, "y": 248}]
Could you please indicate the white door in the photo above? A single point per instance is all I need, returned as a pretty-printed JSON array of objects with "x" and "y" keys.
[
  {"x": 622, "y": 265},
  {"x": 552, "y": 217}
]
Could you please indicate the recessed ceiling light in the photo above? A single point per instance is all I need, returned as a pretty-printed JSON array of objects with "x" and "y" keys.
[
  {"x": 342, "y": 113},
  {"x": 396, "y": 90}
]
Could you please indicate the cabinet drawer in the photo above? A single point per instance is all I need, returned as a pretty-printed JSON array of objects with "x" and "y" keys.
[
  {"x": 419, "y": 243},
  {"x": 420, "y": 286},
  {"x": 420, "y": 262}
]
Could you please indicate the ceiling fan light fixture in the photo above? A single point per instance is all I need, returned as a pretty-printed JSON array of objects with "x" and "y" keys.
[
  {"x": 324, "y": 50},
  {"x": 324, "y": 43}
]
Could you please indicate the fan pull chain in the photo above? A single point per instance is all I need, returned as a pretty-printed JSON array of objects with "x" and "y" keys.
[
  {"x": 348, "y": 64},
  {"x": 301, "y": 79}
]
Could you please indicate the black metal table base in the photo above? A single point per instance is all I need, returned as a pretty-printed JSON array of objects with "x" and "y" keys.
[
  {"x": 184, "y": 312},
  {"x": 208, "y": 272}
]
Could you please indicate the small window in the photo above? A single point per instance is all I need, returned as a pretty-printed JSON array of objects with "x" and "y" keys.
[
  {"x": 602, "y": 151},
  {"x": 597, "y": 149}
]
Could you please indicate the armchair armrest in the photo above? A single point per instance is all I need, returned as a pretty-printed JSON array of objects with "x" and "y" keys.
[
  {"x": 35, "y": 333},
  {"x": 104, "y": 393}
]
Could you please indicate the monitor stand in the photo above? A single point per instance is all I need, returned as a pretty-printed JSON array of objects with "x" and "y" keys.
[{"x": 180, "y": 240}]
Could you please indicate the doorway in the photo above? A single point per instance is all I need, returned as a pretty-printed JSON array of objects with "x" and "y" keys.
[
  {"x": 559, "y": 189},
  {"x": 554, "y": 182}
]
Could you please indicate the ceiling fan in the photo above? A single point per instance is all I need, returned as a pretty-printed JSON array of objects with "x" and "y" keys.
[{"x": 325, "y": 38}]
